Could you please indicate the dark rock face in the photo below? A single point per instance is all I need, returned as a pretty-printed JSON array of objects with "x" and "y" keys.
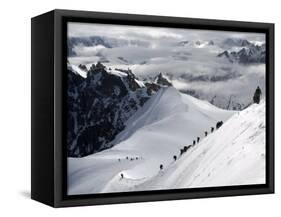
[
  {"x": 151, "y": 88},
  {"x": 161, "y": 80},
  {"x": 130, "y": 79},
  {"x": 98, "y": 107},
  {"x": 225, "y": 53},
  {"x": 83, "y": 67}
]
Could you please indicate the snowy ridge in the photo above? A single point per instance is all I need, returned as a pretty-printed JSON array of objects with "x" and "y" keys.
[
  {"x": 175, "y": 105},
  {"x": 157, "y": 131},
  {"x": 78, "y": 70},
  {"x": 239, "y": 159}
]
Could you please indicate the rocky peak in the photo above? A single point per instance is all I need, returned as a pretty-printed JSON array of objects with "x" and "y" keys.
[
  {"x": 99, "y": 105},
  {"x": 95, "y": 69},
  {"x": 100, "y": 66},
  {"x": 225, "y": 53},
  {"x": 83, "y": 67},
  {"x": 161, "y": 80},
  {"x": 245, "y": 43},
  {"x": 152, "y": 88},
  {"x": 130, "y": 79}
]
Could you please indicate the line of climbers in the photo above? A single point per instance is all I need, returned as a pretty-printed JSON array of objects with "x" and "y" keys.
[
  {"x": 182, "y": 150},
  {"x": 131, "y": 159},
  {"x": 186, "y": 148}
]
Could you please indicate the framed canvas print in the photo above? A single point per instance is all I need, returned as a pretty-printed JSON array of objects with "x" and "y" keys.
[{"x": 131, "y": 108}]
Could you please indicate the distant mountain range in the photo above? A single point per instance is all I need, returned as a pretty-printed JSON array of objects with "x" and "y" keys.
[
  {"x": 106, "y": 42},
  {"x": 236, "y": 50},
  {"x": 247, "y": 52},
  {"x": 177, "y": 65}
]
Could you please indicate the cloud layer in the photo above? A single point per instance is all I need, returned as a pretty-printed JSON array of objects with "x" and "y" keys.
[
  {"x": 154, "y": 34},
  {"x": 187, "y": 56}
]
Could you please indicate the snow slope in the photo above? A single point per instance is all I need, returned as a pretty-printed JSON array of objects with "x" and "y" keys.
[
  {"x": 232, "y": 155},
  {"x": 153, "y": 135}
]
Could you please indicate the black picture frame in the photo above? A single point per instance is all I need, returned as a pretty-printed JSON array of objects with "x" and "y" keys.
[{"x": 49, "y": 57}]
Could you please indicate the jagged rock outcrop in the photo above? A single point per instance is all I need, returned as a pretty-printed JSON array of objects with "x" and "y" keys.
[
  {"x": 83, "y": 67},
  {"x": 161, "y": 80},
  {"x": 99, "y": 105}
]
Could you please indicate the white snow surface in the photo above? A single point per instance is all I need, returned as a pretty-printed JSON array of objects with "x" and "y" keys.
[
  {"x": 78, "y": 70},
  {"x": 233, "y": 154}
]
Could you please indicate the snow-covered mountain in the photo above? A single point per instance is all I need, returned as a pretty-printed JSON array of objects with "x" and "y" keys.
[
  {"x": 152, "y": 98},
  {"x": 167, "y": 122},
  {"x": 246, "y": 53},
  {"x": 237, "y": 159},
  {"x": 158, "y": 131},
  {"x": 98, "y": 105},
  {"x": 191, "y": 64},
  {"x": 100, "y": 101}
]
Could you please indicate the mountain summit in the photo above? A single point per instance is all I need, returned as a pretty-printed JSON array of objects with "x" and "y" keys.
[{"x": 162, "y": 80}]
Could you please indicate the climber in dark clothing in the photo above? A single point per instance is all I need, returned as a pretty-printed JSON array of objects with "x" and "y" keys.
[
  {"x": 212, "y": 129},
  {"x": 219, "y": 124},
  {"x": 206, "y": 133},
  {"x": 181, "y": 151},
  {"x": 161, "y": 166},
  {"x": 198, "y": 139},
  {"x": 194, "y": 142},
  {"x": 257, "y": 95}
]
